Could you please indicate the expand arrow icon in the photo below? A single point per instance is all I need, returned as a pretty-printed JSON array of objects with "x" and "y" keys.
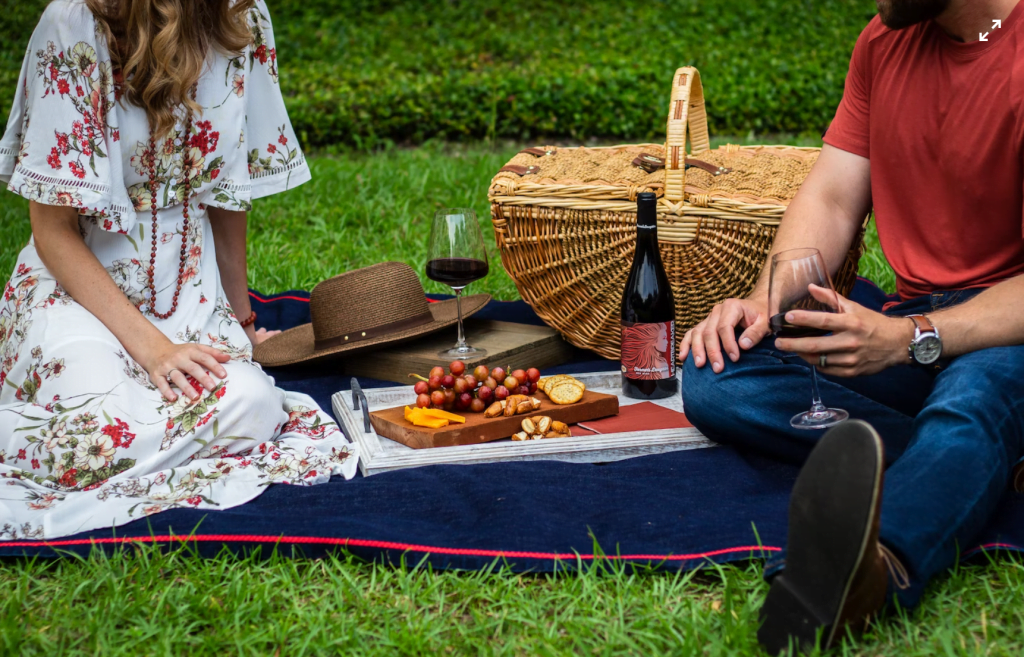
[
  {"x": 982, "y": 37},
  {"x": 996, "y": 24}
]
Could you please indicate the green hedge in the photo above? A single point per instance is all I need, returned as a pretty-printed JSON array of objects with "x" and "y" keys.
[{"x": 362, "y": 73}]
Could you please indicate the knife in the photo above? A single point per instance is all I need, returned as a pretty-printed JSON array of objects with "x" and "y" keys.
[{"x": 357, "y": 395}]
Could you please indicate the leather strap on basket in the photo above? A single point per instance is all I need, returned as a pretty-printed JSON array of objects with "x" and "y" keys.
[
  {"x": 651, "y": 163},
  {"x": 539, "y": 152},
  {"x": 686, "y": 118},
  {"x": 519, "y": 169}
]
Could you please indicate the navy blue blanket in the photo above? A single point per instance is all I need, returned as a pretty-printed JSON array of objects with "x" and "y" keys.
[{"x": 678, "y": 510}]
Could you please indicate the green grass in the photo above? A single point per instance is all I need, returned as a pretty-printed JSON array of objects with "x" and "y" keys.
[
  {"x": 365, "y": 208},
  {"x": 360, "y": 209},
  {"x": 147, "y": 602},
  {"x": 366, "y": 72}
]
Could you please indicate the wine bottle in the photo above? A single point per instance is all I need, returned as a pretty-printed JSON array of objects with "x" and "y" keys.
[{"x": 648, "y": 314}]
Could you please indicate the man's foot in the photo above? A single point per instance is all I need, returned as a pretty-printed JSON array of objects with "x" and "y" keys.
[{"x": 835, "y": 573}]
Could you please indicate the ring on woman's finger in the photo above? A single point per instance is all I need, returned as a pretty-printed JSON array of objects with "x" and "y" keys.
[
  {"x": 168, "y": 377},
  {"x": 823, "y": 360}
]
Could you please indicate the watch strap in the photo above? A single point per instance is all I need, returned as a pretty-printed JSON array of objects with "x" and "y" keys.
[{"x": 923, "y": 324}]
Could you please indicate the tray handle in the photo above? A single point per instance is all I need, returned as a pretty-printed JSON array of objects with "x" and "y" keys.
[{"x": 686, "y": 114}]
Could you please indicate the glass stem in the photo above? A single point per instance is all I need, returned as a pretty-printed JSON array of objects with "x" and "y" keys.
[
  {"x": 461, "y": 344},
  {"x": 816, "y": 405}
]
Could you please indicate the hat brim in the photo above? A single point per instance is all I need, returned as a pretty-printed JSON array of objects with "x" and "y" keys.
[{"x": 297, "y": 345}]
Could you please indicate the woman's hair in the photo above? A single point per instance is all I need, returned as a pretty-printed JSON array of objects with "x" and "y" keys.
[{"x": 160, "y": 46}]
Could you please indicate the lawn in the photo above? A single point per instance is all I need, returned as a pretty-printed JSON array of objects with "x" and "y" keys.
[{"x": 363, "y": 208}]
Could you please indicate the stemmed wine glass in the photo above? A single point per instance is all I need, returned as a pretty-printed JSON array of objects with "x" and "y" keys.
[
  {"x": 792, "y": 273},
  {"x": 456, "y": 257}
]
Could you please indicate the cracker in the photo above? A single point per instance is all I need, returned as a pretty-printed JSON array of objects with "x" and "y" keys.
[{"x": 565, "y": 393}]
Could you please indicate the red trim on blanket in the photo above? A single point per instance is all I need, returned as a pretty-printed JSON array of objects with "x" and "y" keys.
[
  {"x": 285, "y": 296},
  {"x": 383, "y": 545}
]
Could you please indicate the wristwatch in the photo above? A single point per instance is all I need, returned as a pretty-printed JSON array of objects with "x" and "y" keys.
[{"x": 926, "y": 347}]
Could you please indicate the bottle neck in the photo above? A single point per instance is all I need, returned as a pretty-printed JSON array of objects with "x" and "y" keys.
[{"x": 647, "y": 229}]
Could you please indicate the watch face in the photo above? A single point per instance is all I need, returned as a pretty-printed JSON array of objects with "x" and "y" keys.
[{"x": 928, "y": 350}]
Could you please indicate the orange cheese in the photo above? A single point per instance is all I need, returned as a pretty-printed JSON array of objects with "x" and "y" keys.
[{"x": 444, "y": 415}]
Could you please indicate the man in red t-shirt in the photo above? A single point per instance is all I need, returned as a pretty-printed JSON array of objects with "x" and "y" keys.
[{"x": 930, "y": 133}]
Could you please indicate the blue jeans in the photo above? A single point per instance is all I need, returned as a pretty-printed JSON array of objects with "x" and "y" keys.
[{"x": 952, "y": 433}]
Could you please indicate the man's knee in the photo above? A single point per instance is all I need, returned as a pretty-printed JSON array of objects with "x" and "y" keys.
[{"x": 703, "y": 393}]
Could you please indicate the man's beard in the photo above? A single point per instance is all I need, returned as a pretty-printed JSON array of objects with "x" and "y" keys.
[{"x": 898, "y": 14}]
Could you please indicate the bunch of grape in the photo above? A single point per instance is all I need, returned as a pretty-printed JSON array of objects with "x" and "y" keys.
[{"x": 463, "y": 391}]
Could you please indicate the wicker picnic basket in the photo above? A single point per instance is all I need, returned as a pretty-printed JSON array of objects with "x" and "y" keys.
[{"x": 565, "y": 221}]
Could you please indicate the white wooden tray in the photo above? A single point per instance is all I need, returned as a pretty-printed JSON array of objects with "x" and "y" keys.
[{"x": 379, "y": 454}]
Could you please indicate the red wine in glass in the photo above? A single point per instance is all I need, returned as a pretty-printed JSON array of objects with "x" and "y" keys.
[
  {"x": 783, "y": 329},
  {"x": 456, "y": 257},
  {"x": 792, "y": 274},
  {"x": 456, "y": 272}
]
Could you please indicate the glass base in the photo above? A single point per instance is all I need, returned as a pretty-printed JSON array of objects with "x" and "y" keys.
[
  {"x": 819, "y": 419},
  {"x": 462, "y": 353}
]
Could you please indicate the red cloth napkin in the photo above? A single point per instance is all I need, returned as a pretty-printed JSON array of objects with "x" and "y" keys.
[{"x": 645, "y": 416}]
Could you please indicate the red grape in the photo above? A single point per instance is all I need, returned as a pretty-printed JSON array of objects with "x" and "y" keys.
[
  {"x": 500, "y": 393},
  {"x": 457, "y": 367},
  {"x": 524, "y": 389},
  {"x": 511, "y": 382},
  {"x": 485, "y": 393},
  {"x": 481, "y": 372},
  {"x": 471, "y": 382},
  {"x": 437, "y": 371},
  {"x": 533, "y": 374},
  {"x": 491, "y": 383},
  {"x": 460, "y": 385},
  {"x": 434, "y": 383},
  {"x": 449, "y": 397},
  {"x": 465, "y": 399},
  {"x": 423, "y": 400},
  {"x": 477, "y": 405},
  {"x": 448, "y": 405},
  {"x": 533, "y": 387},
  {"x": 448, "y": 381},
  {"x": 520, "y": 375},
  {"x": 421, "y": 388},
  {"x": 498, "y": 373},
  {"x": 437, "y": 397}
]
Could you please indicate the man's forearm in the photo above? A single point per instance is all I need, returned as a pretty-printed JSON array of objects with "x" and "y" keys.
[
  {"x": 826, "y": 213},
  {"x": 994, "y": 318}
]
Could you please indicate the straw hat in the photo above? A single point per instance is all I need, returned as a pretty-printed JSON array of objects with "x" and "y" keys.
[{"x": 363, "y": 309}]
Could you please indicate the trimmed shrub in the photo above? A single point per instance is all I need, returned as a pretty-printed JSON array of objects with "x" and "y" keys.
[{"x": 363, "y": 73}]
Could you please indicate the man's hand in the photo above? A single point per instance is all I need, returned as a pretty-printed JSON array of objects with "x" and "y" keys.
[
  {"x": 717, "y": 333},
  {"x": 862, "y": 342}
]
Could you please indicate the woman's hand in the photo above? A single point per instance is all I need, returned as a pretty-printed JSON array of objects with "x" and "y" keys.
[
  {"x": 181, "y": 361},
  {"x": 862, "y": 342},
  {"x": 717, "y": 333},
  {"x": 256, "y": 337}
]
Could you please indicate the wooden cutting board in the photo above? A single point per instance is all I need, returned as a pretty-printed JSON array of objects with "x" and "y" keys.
[{"x": 391, "y": 423}]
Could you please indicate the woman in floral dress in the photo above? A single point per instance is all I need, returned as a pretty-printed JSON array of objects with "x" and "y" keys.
[{"x": 127, "y": 385}]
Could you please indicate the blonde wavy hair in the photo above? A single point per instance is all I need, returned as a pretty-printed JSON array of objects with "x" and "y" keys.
[{"x": 160, "y": 46}]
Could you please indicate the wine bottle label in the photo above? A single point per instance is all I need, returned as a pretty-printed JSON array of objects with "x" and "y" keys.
[{"x": 649, "y": 350}]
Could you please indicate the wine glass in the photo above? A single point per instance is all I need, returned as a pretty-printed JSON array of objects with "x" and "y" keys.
[
  {"x": 456, "y": 257},
  {"x": 792, "y": 273}
]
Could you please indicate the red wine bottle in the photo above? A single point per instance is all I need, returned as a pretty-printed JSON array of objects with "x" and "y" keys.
[{"x": 648, "y": 314}]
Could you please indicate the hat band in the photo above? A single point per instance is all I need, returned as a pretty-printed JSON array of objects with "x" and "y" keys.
[{"x": 375, "y": 332}]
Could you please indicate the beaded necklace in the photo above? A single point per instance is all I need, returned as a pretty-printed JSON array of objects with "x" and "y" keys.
[{"x": 151, "y": 272}]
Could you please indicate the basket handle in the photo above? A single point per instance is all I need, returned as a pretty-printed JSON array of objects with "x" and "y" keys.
[{"x": 685, "y": 112}]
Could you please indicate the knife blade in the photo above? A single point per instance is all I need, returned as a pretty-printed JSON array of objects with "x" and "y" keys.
[{"x": 359, "y": 402}]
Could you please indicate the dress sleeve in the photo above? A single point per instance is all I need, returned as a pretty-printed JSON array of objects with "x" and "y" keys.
[
  {"x": 850, "y": 129},
  {"x": 60, "y": 147},
  {"x": 276, "y": 163}
]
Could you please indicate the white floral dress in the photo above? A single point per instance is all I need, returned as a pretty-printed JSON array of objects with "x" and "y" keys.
[{"x": 86, "y": 441}]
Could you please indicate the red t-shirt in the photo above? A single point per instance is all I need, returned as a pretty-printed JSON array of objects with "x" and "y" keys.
[{"x": 943, "y": 126}]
